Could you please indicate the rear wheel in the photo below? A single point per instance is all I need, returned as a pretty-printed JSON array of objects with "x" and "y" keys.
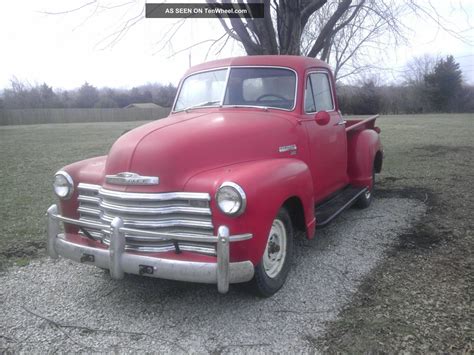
[
  {"x": 365, "y": 199},
  {"x": 273, "y": 269}
]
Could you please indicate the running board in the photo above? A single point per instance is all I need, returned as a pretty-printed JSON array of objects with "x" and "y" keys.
[{"x": 329, "y": 209}]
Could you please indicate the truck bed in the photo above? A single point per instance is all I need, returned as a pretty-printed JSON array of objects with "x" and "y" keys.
[{"x": 354, "y": 124}]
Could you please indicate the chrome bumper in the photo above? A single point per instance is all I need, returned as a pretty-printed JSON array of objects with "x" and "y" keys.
[{"x": 119, "y": 262}]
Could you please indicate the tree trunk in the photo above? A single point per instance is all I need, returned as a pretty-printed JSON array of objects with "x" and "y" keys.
[{"x": 289, "y": 27}]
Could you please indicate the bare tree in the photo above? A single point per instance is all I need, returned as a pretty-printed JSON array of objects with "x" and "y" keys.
[
  {"x": 282, "y": 29},
  {"x": 340, "y": 32},
  {"x": 418, "y": 68},
  {"x": 414, "y": 86},
  {"x": 372, "y": 28}
]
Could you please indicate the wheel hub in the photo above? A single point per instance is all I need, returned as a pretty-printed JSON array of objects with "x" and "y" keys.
[
  {"x": 273, "y": 247},
  {"x": 275, "y": 251}
]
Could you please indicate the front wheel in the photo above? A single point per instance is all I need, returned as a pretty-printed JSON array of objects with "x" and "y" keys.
[{"x": 273, "y": 269}]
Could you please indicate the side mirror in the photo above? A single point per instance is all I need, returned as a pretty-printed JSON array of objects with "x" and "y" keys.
[{"x": 322, "y": 118}]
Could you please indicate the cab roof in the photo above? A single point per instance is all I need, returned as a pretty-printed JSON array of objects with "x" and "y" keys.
[{"x": 298, "y": 63}]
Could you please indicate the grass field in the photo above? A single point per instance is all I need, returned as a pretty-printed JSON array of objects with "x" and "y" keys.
[
  {"x": 417, "y": 301},
  {"x": 30, "y": 155},
  {"x": 420, "y": 299}
]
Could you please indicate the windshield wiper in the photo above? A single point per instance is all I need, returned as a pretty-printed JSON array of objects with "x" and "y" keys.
[{"x": 202, "y": 104}]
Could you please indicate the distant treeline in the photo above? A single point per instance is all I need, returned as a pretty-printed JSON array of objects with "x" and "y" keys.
[
  {"x": 430, "y": 86},
  {"x": 23, "y": 96}
]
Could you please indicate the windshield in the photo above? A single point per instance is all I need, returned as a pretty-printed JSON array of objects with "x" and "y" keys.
[
  {"x": 202, "y": 89},
  {"x": 246, "y": 86}
]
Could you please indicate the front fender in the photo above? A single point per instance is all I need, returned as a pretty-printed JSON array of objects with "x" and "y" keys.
[
  {"x": 90, "y": 171},
  {"x": 267, "y": 185}
]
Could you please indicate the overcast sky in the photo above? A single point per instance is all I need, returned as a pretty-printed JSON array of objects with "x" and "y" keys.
[{"x": 65, "y": 50}]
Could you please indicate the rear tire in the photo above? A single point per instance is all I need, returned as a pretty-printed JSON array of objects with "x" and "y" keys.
[
  {"x": 272, "y": 271},
  {"x": 366, "y": 198}
]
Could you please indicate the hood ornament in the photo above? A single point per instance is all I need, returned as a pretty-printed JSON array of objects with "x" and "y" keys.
[{"x": 127, "y": 178}]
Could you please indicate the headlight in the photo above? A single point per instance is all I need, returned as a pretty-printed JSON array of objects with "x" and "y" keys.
[
  {"x": 63, "y": 185},
  {"x": 231, "y": 199}
]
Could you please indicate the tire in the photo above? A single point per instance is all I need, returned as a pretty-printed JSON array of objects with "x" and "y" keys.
[
  {"x": 272, "y": 271},
  {"x": 366, "y": 198}
]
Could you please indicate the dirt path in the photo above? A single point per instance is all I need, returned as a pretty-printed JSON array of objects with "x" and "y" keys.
[{"x": 62, "y": 306}]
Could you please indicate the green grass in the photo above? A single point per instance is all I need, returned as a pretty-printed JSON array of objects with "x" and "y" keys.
[
  {"x": 31, "y": 154},
  {"x": 416, "y": 300},
  {"x": 413, "y": 143}
]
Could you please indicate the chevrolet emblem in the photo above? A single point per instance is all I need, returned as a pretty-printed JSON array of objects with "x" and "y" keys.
[{"x": 127, "y": 178}]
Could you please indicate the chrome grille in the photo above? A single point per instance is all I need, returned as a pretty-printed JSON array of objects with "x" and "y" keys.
[{"x": 180, "y": 213}]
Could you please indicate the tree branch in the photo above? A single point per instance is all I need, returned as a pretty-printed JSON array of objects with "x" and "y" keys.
[
  {"x": 309, "y": 8},
  {"x": 327, "y": 30},
  {"x": 69, "y": 11}
]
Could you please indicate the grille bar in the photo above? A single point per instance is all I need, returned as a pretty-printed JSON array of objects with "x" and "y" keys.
[
  {"x": 114, "y": 207},
  {"x": 88, "y": 210},
  {"x": 142, "y": 223},
  {"x": 185, "y": 214},
  {"x": 165, "y": 196},
  {"x": 90, "y": 199}
]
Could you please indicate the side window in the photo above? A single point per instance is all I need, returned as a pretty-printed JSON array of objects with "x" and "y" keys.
[
  {"x": 309, "y": 97},
  {"x": 322, "y": 93}
]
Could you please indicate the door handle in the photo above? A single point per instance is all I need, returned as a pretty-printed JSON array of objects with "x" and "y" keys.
[{"x": 340, "y": 123}]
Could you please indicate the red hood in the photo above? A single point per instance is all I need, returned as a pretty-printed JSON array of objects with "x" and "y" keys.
[{"x": 184, "y": 144}]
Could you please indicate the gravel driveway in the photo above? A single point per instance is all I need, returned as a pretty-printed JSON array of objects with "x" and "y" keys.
[{"x": 63, "y": 306}]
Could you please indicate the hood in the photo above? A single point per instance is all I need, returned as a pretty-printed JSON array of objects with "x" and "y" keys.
[{"x": 185, "y": 144}]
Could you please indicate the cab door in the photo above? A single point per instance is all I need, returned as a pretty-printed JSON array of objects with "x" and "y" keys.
[{"x": 327, "y": 142}]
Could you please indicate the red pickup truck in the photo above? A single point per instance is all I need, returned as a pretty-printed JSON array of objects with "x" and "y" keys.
[{"x": 254, "y": 151}]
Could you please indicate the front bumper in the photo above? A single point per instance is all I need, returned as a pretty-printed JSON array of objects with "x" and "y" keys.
[{"x": 119, "y": 262}]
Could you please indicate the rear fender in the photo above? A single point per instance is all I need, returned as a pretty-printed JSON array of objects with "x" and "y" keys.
[
  {"x": 362, "y": 148},
  {"x": 267, "y": 185}
]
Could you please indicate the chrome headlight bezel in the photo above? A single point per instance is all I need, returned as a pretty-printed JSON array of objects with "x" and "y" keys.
[
  {"x": 61, "y": 174},
  {"x": 233, "y": 188}
]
